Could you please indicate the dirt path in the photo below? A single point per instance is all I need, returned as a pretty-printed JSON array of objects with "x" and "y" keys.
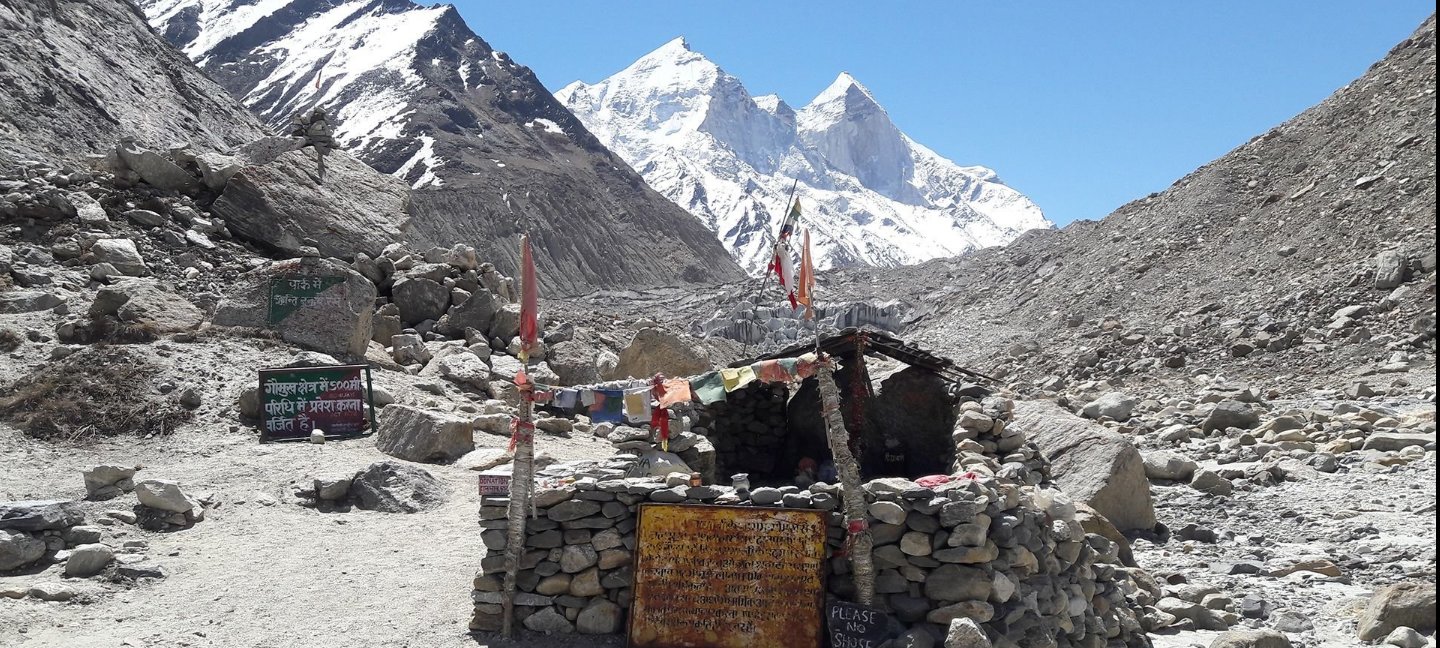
[{"x": 259, "y": 570}]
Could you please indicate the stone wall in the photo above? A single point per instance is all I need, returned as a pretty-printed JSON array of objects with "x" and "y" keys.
[
  {"x": 748, "y": 431},
  {"x": 1012, "y": 558}
]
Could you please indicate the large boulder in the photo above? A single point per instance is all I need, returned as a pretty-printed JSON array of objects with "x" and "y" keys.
[
  {"x": 122, "y": 254},
  {"x": 1090, "y": 463},
  {"x": 156, "y": 170},
  {"x": 420, "y": 299},
  {"x": 334, "y": 202},
  {"x": 1264, "y": 638},
  {"x": 476, "y": 312},
  {"x": 1231, "y": 414},
  {"x": 654, "y": 351},
  {"x": 392, "y": 487},
  {"x": 414, "y": 434},
  {"x": 18, "y": 549},
  {"x": 1407, "y": 604},
  {"x": 154, "y": 305},
  {"x": 505, "y": 323},
  {"x": 1113, "y": 405},
  {"x": 315, "y": 303},
  {"x": 39, "y": 515},
  {"x": 574, "y": 362}
]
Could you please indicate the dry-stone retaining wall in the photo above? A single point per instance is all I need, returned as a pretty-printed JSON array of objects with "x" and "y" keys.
[{"x": 1012, "y": 558}]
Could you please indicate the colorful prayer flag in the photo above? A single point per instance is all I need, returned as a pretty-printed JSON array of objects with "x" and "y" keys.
[{"x": 790, "y": 222}]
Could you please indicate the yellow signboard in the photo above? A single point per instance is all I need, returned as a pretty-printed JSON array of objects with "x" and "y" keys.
[{"x": 727, "y": 577}]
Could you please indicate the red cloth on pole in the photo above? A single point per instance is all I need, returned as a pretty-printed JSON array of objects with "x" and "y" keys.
[{"x": 529, "y": 300}]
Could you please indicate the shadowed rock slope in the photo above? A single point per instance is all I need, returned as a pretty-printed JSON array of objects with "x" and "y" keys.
[{"x": 77, "y": 75}]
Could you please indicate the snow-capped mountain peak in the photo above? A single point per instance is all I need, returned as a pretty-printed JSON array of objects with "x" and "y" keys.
[
  {"x": 411, "y": 90},
  {"x": 871, "y": 195}
]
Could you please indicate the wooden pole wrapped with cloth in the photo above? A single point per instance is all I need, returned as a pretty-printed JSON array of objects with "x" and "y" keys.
[
  {"x": 858, "y": 541},
  {"x": 522, "y": 438}
]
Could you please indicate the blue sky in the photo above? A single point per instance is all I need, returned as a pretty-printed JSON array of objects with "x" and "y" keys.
[{"x": 1081, "y": 106}]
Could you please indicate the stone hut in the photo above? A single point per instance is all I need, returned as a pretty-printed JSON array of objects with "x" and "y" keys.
[
  {"x": 989, "y": 546},
  {"x": 900, "y": 426}
]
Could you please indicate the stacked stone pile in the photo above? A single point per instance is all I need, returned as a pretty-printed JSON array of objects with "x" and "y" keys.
[
  {"x": 1012, "y": 558},
  {"x": 986, "y": 443}
]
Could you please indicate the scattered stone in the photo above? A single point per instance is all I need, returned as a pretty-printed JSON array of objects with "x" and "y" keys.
[
  {"x": 88, "y": 560},
  {"x": 1113, "y": 405},
  {"x": 1208, "y": 481},
  {"x": 1231, "y": 414},
  {"x": 108, "y": 481},
  {"x": 1168, "y": 466},
  {"x": 392, "y": 487},
  {"x": 164, "y": 495},
  {"x": 122, "y": 254},
  {"x": 52, "y": 592}
]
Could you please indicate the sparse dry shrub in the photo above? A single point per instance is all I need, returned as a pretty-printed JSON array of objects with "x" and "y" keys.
[
  {"x": 101, "y": 390},
  {"x": 9, "y": 340}
]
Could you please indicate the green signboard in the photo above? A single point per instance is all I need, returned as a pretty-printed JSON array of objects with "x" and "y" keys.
[
  {"x": 296, "y": 401},
  {"x": 292, "y": 293}
]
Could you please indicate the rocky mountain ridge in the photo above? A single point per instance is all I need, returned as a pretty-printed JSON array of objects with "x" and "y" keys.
[
  {"x": 412, "y": 91},
  {"x": 871, "y": 195}
]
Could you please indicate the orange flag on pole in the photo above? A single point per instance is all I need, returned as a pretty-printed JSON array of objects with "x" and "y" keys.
[
  {"x": 529, "y": 301},
  {"x": 805, "y": 284}
]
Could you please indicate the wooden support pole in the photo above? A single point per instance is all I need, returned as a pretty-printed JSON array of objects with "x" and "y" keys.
[
  {"x": 859, "y": 539},
  {"x": 522, "y": 486}
]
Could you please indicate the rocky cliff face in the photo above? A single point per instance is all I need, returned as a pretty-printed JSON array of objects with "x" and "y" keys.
[
  {"x": 415, "y": 93},
  {"x": 871, "y": 195},
  {"x": 79, "y": 75}
]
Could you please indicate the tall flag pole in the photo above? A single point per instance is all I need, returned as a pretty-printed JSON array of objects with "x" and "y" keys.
[{"x": 522, "y": 438}]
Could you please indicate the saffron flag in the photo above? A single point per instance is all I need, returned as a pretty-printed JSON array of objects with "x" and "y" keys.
[
  {"x": 529, "y": 301},
  {"x": 805, "y": 283}
]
